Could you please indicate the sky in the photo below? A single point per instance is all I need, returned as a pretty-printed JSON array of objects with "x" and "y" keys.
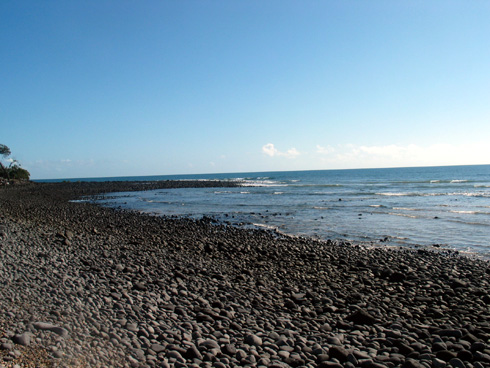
[{"x": 124, "y": 88}]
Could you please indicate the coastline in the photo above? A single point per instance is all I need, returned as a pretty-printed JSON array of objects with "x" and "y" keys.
[{"x": 119, "y": 288}]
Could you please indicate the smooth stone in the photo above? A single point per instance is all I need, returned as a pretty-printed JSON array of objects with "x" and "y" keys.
[
  {"x": 465, "y": 355},
  {"x": 253, "y": 340},
  {"x": 229, "y": 349},
  {"x": 157, "y": 348},
  {"x": 339, "y": 353},
  {"x": 457, "y": 363},
  {"x": 133, "y": 327},
  {"x": 6, "y": 346},
  {"x": 333, "y": 341},
  {"x": 22, "y": 339},
  {"x": 210, "y": 344},
  {"x": 330, "y": 364},
  {"x": 411, "y": 363},
  {"x": 445, "y": 355},
  {"x": 362, "y": 317},
  {"x": 139, "y": 286},
  {"x": 438, "y": 363},
  {"x": 193, "y": 353},
  {"x": 451, "y": 333},
  {"x": 63, "y": 332},
  {"x": 175, "y": 354},
  {"x": 139, "y": 354}
]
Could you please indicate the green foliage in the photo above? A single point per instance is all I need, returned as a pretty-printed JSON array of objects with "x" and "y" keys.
[
  {"x": 18, "y": 173},
  {"x": 4, "y": 150},
  {"x": 13, "y": 169}
]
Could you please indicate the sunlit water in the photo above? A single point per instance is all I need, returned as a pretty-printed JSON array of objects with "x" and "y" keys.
[{"x": 444, "y": 206}]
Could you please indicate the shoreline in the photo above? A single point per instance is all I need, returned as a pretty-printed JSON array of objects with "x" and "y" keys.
[{"x": 119, "y": 288}]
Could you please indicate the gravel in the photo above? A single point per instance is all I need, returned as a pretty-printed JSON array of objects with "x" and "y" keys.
[{"x": 85, "y": 286}]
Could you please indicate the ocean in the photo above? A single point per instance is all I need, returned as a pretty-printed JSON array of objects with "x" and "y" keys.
[{"x": 442, "y": 207}]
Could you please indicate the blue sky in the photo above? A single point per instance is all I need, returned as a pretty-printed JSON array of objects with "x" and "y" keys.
[{"x": 123, "y": 88}]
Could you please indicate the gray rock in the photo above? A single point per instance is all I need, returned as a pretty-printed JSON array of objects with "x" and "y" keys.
[
  {"x": 139, "y": 354},
  {"x": 132, "y": 327},
  {"x": 63, "y": 332},
  {"x": 157, "y": 348},
  {"x": 175, "y": 354},
  {"x": 210, "y": 344},
  {"x": 253, "y": 340},
  {"x": 22, "y": 339},
  {"x": 140, "y": 286},
  {"x": 229, "y": 349},
  {"x": 6, "y": 346}
]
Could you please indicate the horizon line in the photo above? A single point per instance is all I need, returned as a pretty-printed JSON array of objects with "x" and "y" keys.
[{"x": 244, "y": 172}]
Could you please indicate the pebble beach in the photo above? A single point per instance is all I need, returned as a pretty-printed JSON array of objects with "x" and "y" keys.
[{"x": 87, "y": 286}]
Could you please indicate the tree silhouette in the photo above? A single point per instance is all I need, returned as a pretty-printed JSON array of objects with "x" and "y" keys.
[
  {"x": 13, "y": 169},
  {"x": 4, "y": 152}
]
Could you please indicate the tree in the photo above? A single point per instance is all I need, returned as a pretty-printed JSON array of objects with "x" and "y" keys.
[
  {"x": 18, "y": 173},
  {"x": 4, "y": 152},
  {"x": 13, "y": 169}
]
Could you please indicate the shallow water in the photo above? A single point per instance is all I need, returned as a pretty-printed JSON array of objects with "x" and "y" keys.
[{"x": 444, "y": 206}]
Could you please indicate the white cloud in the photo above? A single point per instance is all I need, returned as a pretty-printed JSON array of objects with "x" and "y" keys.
[
  {"x": 291, "y": 153},
  {"x": 392, "y": 155},
  {"x": 269, "y": 150},
  {"x": 324, "y": 150},
  {"x": 272, "y": 151}
]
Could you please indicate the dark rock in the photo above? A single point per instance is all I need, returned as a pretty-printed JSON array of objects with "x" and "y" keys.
[
  {"x": 451, "y": 333},
  {"x": 362, "y": 317},
  {"x": 330, "y": 364},
  {"x": 210, "y": 344},
  {"x": 445, "y": 355},
  {"x": 478, "y": 346},
  {"x": 482, "y": 357},
  {"x": 438, "y": 346},
  {"x": 470, "y": 338},
  {"x": 339, "y": 353},
  {"x": 397, "y": 277},
  {"x": 465, "y": 355},
  {"x": 174, "y": 354},
  {"x": 410, "y": 363},
  {"x": 457, "y": 363},
  {"x": 253, "y": 340},
  {"x": 193, "y": 353},
  {"x": 140, "y": 286},
  {"x": 288, "y": 303},
  {"x": 228, "y": 349}
]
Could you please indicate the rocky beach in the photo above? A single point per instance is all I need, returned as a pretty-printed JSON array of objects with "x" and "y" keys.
[{"x": 86, "y": 286}]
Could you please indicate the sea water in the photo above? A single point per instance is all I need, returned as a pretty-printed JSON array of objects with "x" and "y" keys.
[{"x": 446, "y": 207}]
